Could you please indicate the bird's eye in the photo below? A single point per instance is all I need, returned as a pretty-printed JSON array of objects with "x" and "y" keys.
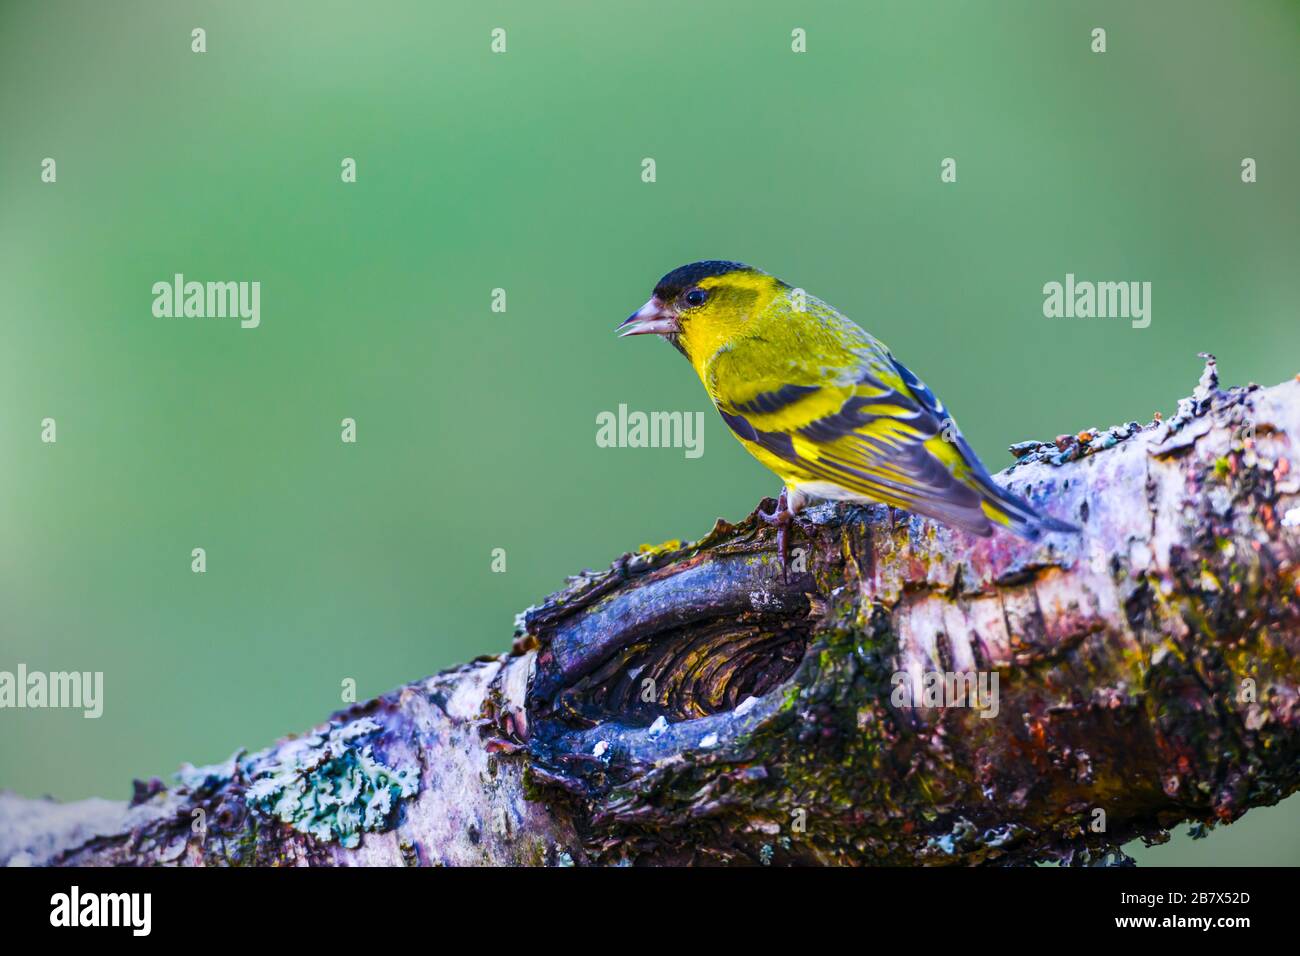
[{"x": 696, "y": 297}]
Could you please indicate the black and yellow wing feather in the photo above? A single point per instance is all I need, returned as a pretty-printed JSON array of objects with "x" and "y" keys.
[{"x": 856, "y": 420}]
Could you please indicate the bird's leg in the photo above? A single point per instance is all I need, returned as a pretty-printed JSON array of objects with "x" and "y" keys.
[{"x": 781, "y": 516}]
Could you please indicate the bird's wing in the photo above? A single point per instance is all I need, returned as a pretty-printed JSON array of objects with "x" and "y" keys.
[{"x": 870, "y": 427}]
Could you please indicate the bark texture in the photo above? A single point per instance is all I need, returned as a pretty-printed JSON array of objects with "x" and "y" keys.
[{"x": 692, "y": 705}]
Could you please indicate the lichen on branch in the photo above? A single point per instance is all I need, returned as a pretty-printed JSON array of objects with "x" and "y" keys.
[{"x": 690, "y": 704}]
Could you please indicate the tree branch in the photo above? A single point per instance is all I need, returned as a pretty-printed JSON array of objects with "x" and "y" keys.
[{"x": 688, "y": 705}]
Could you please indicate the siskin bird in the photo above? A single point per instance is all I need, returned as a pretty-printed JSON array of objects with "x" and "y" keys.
[{"x": 823, "y": 404}]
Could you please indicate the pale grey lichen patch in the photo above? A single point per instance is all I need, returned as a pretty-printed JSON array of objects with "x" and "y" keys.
[
  {"x": 209, "y": 778},
  {"x": 332, "y": 786}
]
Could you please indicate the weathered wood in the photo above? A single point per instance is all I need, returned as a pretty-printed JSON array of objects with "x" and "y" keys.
[{"x": 1147, "y": 674}]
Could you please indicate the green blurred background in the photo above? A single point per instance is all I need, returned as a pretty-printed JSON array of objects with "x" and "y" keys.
[{"x": 522, "y": 171}]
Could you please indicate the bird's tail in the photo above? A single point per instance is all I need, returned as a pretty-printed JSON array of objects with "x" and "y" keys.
[{"x": 1017, "y": 515}]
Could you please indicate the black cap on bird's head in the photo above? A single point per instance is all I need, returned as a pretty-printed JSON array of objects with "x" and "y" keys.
[
  {"x": 677, "y": 292},
  {"x": 684, "y": 277}
]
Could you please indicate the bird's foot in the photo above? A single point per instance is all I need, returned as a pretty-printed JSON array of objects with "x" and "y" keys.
[{"x": 782, "y": 517}]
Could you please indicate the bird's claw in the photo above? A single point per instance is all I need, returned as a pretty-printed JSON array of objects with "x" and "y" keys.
[{"x": 782, "y": 517}]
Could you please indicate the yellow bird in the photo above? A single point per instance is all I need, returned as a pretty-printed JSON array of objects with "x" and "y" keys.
[{"x": 823, "y": 404}]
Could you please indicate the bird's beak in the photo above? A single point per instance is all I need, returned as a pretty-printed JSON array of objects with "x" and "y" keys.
[{"x": 651, "y": 319}]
